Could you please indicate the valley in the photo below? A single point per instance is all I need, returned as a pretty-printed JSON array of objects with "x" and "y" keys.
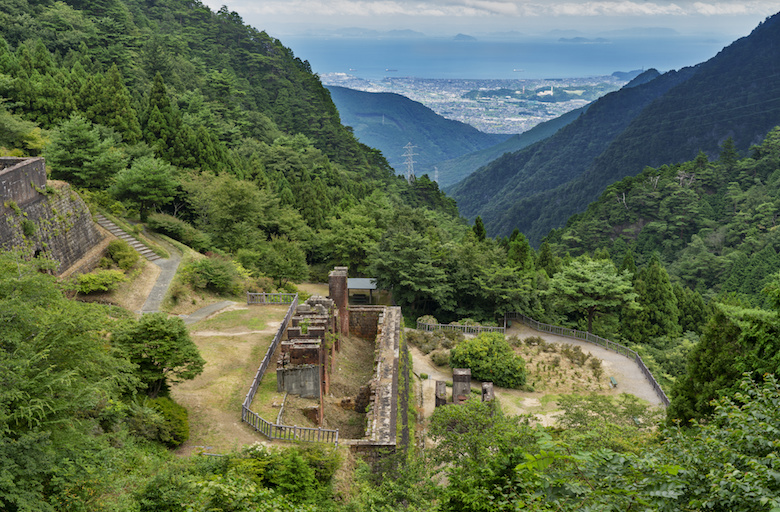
[
  {"x": 476, "y": 103},
  {"x": 647, "y": 217}
]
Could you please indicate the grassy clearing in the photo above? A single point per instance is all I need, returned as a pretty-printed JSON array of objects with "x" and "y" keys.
[
  {"x": 232, "y": 355},
  {"x": 245, "y": 318}
]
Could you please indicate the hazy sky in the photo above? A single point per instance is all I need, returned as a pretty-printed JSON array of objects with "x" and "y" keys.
[{"x": 449, "y": 17}]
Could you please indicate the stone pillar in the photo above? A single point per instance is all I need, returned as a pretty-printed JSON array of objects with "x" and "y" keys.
[
  {"x": 441, "y": 393},
  {"x": 461, "y": 384},
  {"x": 339, "y": 293},
  {"x": 487, "y": 392}
]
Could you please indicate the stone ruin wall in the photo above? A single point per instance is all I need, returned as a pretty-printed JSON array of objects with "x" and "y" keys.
[
  {"x": 45, "y": 219},
  {"x": 383, "y": 324}
]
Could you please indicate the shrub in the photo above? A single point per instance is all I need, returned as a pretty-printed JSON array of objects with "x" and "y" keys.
[
  {"x": 415, "y": 338},
  {"x": 214, "y": 274},
  {"x": 176, "y": 426},
  {"x": 574, "y": 354},
  {"x": 595, "y": 366},
  {"x": 490, "y": 358},
  {"x": 428, "y": 319},
  {"x": 429, "y": 345},
  {"x": 122, "y": 254},
  {"x": 100, "y": 281},
  {"x": 28, "y": 228},
  {"x": 533, "y": 341},
  {"x": 440, "y": 357},
  {"x": 180, "y": 230}
]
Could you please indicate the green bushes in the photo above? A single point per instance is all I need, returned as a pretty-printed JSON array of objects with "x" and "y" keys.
[
  {"x": 176, "y": 426},
  {"x": 100, "y": 281},
  {"x": 428, "y": 342},
  {"x": 180, "y": 230},
  {"x": 490, "y": 358},
  {"x": 159, "y": 419},
  {"x": 214, "y": 274},
  {"x": 122, "y": 254}
]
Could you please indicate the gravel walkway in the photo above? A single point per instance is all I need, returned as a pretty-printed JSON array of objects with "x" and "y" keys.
[{"x": 168, "y": 269}]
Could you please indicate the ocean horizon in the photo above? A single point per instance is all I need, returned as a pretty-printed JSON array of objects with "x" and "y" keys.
[{"x": 539, "y": 58}]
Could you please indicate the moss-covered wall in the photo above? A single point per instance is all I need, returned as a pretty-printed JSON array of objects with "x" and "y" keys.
[{"x": 48, "y": 219}]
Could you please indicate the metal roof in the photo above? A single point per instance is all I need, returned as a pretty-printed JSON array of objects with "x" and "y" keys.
[{"x": 361, "y": 283}]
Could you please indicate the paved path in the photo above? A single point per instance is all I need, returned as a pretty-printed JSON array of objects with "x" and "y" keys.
[
  {"x": 206, "y": 311},
  {"x": 627, "y": 373},
  {"x": 168, "y": 269}
]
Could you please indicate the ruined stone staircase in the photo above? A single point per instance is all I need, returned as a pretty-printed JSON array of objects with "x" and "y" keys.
[{"x": 122, "y": 235}]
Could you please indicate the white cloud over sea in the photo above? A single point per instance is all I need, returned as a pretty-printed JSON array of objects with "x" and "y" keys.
[
  {"x": 498, "y": 14},
  {"x": 441, "y": 8}
]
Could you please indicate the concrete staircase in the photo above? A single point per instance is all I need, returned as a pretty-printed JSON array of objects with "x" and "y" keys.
[{"x": 119, "y": 233}]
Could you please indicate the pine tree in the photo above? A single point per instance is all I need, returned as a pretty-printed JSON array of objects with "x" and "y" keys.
[
  {"x": 110, "y": 105},
  {"x": 520, "y": 254},
  {"x": 546, "y": 260},
  {"x": 479, "y": 229},
  {"x": 659, "y": 316},
  {"x": 77, "y": 154}
]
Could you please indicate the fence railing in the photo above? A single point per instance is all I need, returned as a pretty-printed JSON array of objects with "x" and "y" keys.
[
  {"x": 272, "y": 430},
  {"x": 465, "y": 329},
  {"x": 271, "y": 298},
  {"x": 596, "y": 340},
  {"x": 287, "y": 432}
]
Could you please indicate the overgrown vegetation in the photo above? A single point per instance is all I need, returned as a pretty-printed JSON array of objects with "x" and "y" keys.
[{"x": 230, "y": 144}]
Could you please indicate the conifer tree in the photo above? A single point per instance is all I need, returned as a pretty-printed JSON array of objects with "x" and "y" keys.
[
  {"x": 479, "y": 229},
  {"x": 546, "y": 260},
  {"x": 110, "y": 105},
  {"x": 520, "y": 254},
  {"x": 77, "y": 154},
  {"x": 659, "y": 316}
]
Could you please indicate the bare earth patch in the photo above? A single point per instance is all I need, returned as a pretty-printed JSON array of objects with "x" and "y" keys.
[{"x": 213, "y": 399}]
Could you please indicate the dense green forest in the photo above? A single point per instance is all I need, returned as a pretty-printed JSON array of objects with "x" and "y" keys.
[
  {"x": 215, "y": 134},
  {"x": 666, "y": 120}
]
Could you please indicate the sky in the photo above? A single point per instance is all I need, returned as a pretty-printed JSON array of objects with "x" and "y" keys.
[{"x": 475, "y": 17}]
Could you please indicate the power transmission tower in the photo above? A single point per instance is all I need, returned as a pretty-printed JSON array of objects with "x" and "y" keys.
[
  {"x": 436, "y": 175},
  {"x": 410, "y": 154}
]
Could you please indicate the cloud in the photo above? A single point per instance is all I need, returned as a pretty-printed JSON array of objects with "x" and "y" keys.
[{"x": 503, "y": 8}]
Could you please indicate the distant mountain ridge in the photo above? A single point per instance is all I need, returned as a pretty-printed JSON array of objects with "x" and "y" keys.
[
  {"x": 667, "y": 119},
  {"x": 389, "y": 121}
]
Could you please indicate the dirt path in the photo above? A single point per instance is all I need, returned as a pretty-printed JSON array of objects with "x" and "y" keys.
[
  {"x": 628, "y": 375},
  {"x": 630, "y": 378}
]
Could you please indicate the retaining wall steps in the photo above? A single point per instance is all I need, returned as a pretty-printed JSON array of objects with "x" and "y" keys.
[{"x": 122, "y": 235}]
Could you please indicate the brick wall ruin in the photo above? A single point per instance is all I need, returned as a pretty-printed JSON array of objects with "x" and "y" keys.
[
  {"x": 300, "y": 368},
  {"x": 44, "y": 219}
]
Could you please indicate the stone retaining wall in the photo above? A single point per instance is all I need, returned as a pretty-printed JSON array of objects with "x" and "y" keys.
[{"x": 56, "y": 224}]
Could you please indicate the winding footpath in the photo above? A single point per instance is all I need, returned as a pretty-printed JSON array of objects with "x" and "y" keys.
[{"x": 168, "y": 267}]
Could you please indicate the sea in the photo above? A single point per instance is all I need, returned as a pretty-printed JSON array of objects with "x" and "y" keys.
[{"x": 529, "y": 58}]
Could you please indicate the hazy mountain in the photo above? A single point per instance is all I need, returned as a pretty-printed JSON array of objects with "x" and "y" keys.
[
  {"x": 669, "y": 119},
  {"x": 389, "y": 121}
]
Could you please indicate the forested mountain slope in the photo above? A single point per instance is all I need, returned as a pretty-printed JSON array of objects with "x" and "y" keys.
[
  {"x": 388, "y": 122},
  {"x": 494, "y": 189},
  {"x": 244, "y": 142},
  {"x": 733, "y": 94},
  {"x": 453, "y": 171},
  {"x": 714, "y": 224}
]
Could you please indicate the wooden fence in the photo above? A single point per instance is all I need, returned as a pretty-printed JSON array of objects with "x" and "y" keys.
[
  {"x": 597, "y": 340},
  {"x": 465, "y": 329},
  {"x": 272, "y": 430},
  {"x": 271, "y": 298}
]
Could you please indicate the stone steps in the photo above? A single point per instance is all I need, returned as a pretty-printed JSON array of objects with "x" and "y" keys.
[{"x": 122, "y": 235}]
